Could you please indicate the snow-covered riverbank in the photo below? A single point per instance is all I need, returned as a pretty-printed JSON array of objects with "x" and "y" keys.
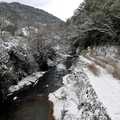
[
  {"x": 77, "y": 100},
  {"x": 31, "y": 79}
]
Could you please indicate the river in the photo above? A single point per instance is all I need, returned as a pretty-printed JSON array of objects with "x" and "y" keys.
[{"x": 32, "y": 103}]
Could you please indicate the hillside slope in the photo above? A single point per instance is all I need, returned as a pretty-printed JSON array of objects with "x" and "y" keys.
[{"x": 16, "y": 10}]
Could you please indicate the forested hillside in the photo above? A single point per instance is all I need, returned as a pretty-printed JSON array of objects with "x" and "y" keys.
[
  {"x": 98, "y": 22},
  {"x": 17, "y": 12}
]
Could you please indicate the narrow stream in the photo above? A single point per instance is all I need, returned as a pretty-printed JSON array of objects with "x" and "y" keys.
[{"x": 32, "y": 103}]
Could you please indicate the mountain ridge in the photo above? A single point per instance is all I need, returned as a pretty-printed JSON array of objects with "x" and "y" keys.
[{"x": 26, "y": 12}]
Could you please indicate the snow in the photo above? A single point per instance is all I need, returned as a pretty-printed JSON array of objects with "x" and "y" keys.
[
  {"x": 63, "y": 55},
  {"x": 47, "y": 85},
  {"x": 57, "y": 47},
  {"x": 50, "y": 62},
  {"x": 8, "y": 45},
  {"x": 15, "y": 98},
  {"x": 61, "y": 104},
  {"x": 60, "y": 67},
  {"x": 107, "y": 89},
  {"x": 77, "y": 100},
  {"x": 31, "y": 79},
  {"x": 25, "y": 31}
]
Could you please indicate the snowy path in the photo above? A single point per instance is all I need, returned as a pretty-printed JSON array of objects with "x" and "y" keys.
[{"x": 107, "y": 89}]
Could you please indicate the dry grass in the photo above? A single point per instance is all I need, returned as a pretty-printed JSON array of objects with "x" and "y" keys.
[
  {"x": 100, "y": 63},
  {"x": 92, "y": 53},
  {"x": 116, "y": 73},
  {"x": 109, "y": 69},
  {"x": 84, "y": 52},
  {"x": 97, "y": 62},
  {"x": 113, "y": 63},
  {"x": 94, "y": 69},
  {"x": 87, "y": 57},
  {"x": 109, "y": 64},
  {"x": 107, "y": 61}
]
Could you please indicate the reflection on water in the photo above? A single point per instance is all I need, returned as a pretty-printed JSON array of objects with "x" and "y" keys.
[{"x": 34, "y": 108}]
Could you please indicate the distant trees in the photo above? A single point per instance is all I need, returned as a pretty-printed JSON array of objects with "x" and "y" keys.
[
  {"x": 41, "y": 49},
  {"x": 3, "y": 17},
  {"x": 42, "y": 42},
  {"x": 11, "y": 29},
  {"x": 7, "y": 22}
]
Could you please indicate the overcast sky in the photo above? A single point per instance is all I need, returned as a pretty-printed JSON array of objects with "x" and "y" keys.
[{"x": 60, "y": 8}]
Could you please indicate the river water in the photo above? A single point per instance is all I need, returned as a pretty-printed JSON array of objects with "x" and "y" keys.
[{"x": 32, "y": 103}]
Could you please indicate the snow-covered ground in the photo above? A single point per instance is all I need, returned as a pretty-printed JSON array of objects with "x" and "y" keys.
[
  {"x": 31, "y": 79},
  {"x": 77, "y": 100},
  {"x": 107, "y": 89}
]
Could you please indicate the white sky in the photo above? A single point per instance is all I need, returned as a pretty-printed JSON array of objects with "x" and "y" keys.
[{"x": 62, "y": 9}]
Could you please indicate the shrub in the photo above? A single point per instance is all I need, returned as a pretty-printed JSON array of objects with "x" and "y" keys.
[
  {"x": 11, "y": 29},
  {"x": 84, "y": 52},
  {"x": 94, "y": 69},
  {"x": 100, "y": 63},
  {"x": 116, "y": 73},
  {"x": 91, "y": 53}
]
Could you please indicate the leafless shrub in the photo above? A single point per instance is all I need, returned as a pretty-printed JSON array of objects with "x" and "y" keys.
[{"x": 94, "y": 69}]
